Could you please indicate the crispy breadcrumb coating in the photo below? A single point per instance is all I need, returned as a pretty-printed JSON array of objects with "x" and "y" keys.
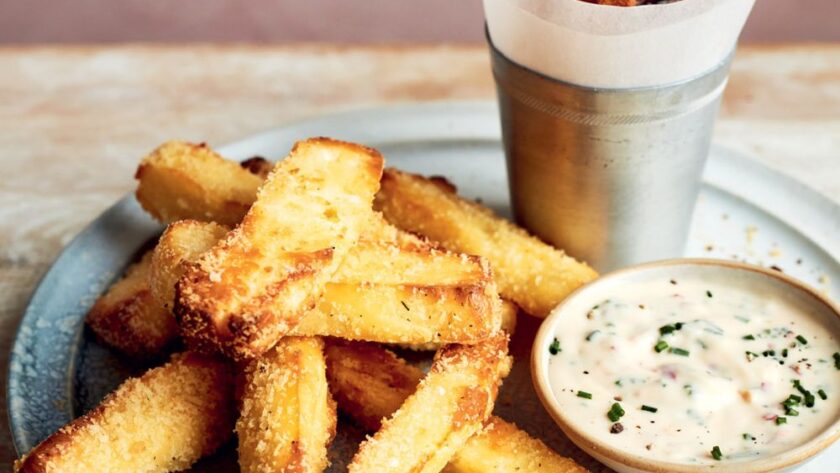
[
  {"x": 450, "y": 404},
  {"x": 370, "y": 383},
  {"x": 396, "y": 288},
  {"x": 162, "y": 421},
  {"x": 182, "y": 242},
  {"x": 128, "y": 318},
  {"x": 530, "y": 273},
  {"x": 182, "y": 180},
  {"x": 287, "y": 418},
  {"x": 501, "y": 447},
  {"x": 254, "y": 286}
]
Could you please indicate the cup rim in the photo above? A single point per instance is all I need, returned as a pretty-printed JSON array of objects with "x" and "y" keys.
[{"x": 769, "y": 463}]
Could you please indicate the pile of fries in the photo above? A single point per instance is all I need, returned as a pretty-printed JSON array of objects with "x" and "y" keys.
[{"x": 280, "y": 288}]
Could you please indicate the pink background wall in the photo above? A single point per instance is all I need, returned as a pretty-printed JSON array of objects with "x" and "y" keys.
[{"x": 356, "y": 21}]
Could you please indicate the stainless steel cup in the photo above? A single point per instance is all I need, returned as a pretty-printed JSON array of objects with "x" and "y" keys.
[{"x": 609, "y": 175}]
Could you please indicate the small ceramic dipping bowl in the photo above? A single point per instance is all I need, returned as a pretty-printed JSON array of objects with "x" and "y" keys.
[{"x": 582, "y": 407}]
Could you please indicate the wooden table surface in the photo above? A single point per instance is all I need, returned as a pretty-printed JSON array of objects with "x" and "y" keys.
[{"x": 75, "y": 121}]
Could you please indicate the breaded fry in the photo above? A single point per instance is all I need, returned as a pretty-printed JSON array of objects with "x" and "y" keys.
[
  {"x": 370, "y": 383},
  {"x": 502, "y": 447},
  {"x": 182, "y": 180},
  {"x": 393, "y": 289},
  {"x": 529, "y": 272},
  {"x": 162, "y": 421},
  {"x": 450, "y": 404},
  {"x": 128, "y": 318},
  {"x": 287, "y": 418},
  {"x": 254, "y": 286},
  {"x": 509, "y": 312},
  {"x": 182, "y": 242}
]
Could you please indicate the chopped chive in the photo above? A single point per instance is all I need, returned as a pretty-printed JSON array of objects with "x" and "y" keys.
[
  {"x": 709, "y": 294},
  {"x": 716, "y": 453},
  {"x": 618, "y": 382},
  {"x": 792, "y": 400},
  {"x": 649, "y": 408},
  {"x": 615, "y": 412},
  {"x": 592, "y": 334},
  {"x": 822, "y": 394},
  {"x": 747, "y": 436},
  {"x": 678, "y": 325},
  {"x": 666, "y": 329},
  {"x": 660, "y": 346},
  {"x": 781, "y": 420},
  {"x": 802, "y": 339},
  {"x": 748, "y": 337},
  {"x": 809, "y": 399},
  {"x": 751, "y": 356},
  {"x": 789, "y": 411},
  {"x": 785, "y": 353},
  {"x": 837, "y": 360},
  {"x": 584, "y": 394},
  {"x": 678, "y": 351},
  {"x": 554, "y": 348},
  {"x": 404, "y": 305}
]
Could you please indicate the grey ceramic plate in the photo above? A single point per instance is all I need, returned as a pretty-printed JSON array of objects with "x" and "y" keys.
[{"x": 746, "y": 212}]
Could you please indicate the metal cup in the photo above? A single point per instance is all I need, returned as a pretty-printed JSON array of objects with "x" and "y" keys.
[{"x": 609, "y": 175}]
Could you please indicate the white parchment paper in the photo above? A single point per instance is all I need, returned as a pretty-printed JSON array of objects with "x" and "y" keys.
[{"x": 616, "y": 47}]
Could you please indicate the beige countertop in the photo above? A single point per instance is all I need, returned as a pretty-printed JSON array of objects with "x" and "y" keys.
[{"x": 76, "y": 120}]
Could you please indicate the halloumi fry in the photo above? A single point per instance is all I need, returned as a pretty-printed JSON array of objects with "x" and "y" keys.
[
  {"x": 162, "y": 421},
  {"x": 509, "y": 311},
  {"x": 529, "y": 272},
  {"x": 397, "y": 288},
  {"x": 182, "y": 180},
  {"x": 128, "y": 318},
  {"x": 502, "y": 447},
  {"x": 288, "y": 417},
  {"x": 254, "y": 286},
  {"x": 370, "y": 383},
  {"x": 450, "y": 404},
  {"x": 182, "y": 242}
]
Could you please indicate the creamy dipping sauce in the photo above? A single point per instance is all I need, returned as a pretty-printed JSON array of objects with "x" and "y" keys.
[{"x": 691, "y": 371}]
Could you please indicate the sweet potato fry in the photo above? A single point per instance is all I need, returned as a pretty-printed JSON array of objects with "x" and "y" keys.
[
  {"x": 288, "y": 417},
  {"x": 254, "y": 286},
  {"x": 182, "y": 180},
  {"x": 128, "y": 318},
  {"x": 529, "y": 272},
  {"x": 397, "y": 288},
  {"x": 162, "y": 421},
  {"x": 370, "y": 383},
  {"x": 450, "y": 404}
]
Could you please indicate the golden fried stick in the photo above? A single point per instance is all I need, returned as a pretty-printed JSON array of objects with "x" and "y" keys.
[
  {"x": 254, "y": 286},
  {"x": 502, "y": 447},
  {"x": 397, "y": 288},
  {"x": 529, "y": 272},
  {"x": 450, "y": 404},
  {"x": 182, "y": 180},
  {"x": 182, "y": 242},
  {"x": 162, "y": 421},
  {"x": 509, "y": 312},
  {"x": 370, "y": 383},
  {"x": 288, "y": 417},
  {"x": 128, "y": 318}
]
